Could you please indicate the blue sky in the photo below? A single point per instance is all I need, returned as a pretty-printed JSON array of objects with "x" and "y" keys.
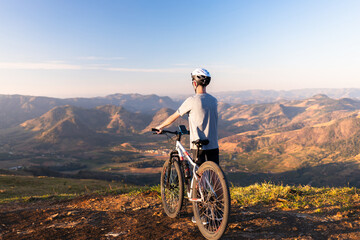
[{"x": 94, "y": 48}]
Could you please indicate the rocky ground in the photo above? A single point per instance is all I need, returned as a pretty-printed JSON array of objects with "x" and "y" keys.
[{"x": 140, "y": 216}]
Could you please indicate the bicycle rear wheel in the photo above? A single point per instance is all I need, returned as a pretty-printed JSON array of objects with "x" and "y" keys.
[
  {"x": 212, "y": 213},
  {"x": 172, "y": 187}
]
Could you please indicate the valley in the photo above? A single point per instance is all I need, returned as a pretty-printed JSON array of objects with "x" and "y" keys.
[{"x": 310, "y": 141}]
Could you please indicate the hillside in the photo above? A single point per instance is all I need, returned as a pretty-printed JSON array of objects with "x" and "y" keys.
[
  {"x": 93, "y": 127},
  {"x": 298, "y": 141},
  {"x": 260, "y": 211},
  {"x": 162, "y": 115},
  {"x": 287, "y": 114},
  {"x": 74, "y": 127},
  {"x": 15, "y": 109},
  {"x": 120, "y": 120}
]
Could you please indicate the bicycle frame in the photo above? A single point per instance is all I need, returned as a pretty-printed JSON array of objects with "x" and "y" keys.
[
  {"x": 211, "y": 209},
  {"x": 184, "y": 156},
  {"x": 183, "y": 153}
]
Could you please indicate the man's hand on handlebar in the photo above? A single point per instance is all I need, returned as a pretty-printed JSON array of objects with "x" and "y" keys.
[{"x": 157, "y": 130}]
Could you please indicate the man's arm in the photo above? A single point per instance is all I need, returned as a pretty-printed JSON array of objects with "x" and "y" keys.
[{"x": 169, "y": 121}]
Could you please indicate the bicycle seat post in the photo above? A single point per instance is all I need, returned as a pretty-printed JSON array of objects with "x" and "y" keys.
[
  {"x": 197, "y": 152},
  {"x": 199, "y": 143}
]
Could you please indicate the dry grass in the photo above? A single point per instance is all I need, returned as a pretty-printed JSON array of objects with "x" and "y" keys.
[
  {"x": 296, "y": 198},
  {"x": 24, "y": 188}
]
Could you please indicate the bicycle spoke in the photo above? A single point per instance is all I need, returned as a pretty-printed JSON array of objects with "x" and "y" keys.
[
  {"x": 172, "y": 190},
  {"x": 212, "y": 209}
]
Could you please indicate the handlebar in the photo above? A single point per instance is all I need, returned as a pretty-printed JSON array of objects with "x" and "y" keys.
[
  {"x": 163, "y": 131},
  {"x": 178, "y": 134}
]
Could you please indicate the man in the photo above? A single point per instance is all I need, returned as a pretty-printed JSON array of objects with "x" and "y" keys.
[{"x": 203, "y": 118}]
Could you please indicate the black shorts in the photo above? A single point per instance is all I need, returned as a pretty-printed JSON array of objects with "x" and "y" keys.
[{"x": 206, "y": 155}]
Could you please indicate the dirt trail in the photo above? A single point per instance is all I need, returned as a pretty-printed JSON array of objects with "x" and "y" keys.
[{"x": 141, "y": 217}]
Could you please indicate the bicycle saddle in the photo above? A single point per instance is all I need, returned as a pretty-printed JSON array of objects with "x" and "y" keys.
[{"x": 201, "y": 142}]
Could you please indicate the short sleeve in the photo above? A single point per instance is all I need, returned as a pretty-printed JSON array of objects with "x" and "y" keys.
[{"x": 185, "y": 107}]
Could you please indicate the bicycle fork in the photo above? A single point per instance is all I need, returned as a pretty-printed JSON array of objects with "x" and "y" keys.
[{"x": 167, "y": 184}]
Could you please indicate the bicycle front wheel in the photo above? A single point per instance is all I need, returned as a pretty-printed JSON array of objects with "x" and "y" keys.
[
  {"x": 172, "y": 187},
  {"x": 212, "y": 213}
]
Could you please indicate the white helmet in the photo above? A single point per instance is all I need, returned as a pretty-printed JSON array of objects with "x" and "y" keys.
[{"x": 201, "y": 76}]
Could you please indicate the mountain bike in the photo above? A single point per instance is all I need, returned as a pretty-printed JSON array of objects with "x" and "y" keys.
[{"x": 206, "y": 187}]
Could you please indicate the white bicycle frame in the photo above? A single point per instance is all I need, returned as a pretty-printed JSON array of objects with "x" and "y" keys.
[{"x": 183, "y": 153}]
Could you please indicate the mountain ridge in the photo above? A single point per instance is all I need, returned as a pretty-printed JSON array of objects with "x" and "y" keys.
[
  {"x": 266, "y": 96},
  {"x": 287, "y": 136},
  {"x": 15, "y": 109}
]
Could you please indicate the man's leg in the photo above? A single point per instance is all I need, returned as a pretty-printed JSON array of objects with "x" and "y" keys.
[{"x": 212, "y": 155}]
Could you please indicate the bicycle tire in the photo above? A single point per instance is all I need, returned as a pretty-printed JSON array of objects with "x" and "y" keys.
[
  {"x": 212, "y": 214},
  {"x": 172, "y": 192}
]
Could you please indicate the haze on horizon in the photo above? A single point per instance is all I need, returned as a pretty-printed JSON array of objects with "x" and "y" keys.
[{"x": 95, "y": 48}]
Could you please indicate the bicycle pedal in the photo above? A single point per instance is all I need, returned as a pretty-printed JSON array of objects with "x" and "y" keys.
[{"x": 195, "y": 199}]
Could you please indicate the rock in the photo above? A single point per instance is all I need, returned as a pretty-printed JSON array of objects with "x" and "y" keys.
[
  {"x": 71, "y": 213},
  {"x": 159, "y": 214},
  {"x": 52, "y": 217},
  {"x": 114, "y": 234},
  {"x": 248, "y": 230}
]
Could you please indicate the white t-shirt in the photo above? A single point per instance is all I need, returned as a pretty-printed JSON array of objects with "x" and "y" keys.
[{"x": 203, "y": 119}]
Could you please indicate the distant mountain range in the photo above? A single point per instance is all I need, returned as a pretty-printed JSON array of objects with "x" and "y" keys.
[
  {"x": 277, "y": 137},
  {"x": 285, "y": 115},
  {"x": 268, "y": 96},
  {"x": 292, "y": 135},
  {"x": 15, "y": 109},
  {"x": 68, "y": 128},
  {"x": 74, "y": 123}
]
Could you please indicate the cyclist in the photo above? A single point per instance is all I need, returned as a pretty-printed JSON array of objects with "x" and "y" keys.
[{"x": 203, "y": 118}]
